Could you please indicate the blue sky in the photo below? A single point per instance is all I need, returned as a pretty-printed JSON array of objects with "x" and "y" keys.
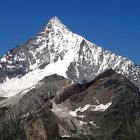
[{"x": 111, "y": 24}]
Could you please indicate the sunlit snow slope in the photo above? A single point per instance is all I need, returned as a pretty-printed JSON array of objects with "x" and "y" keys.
[{"x": 57, "y": 50}]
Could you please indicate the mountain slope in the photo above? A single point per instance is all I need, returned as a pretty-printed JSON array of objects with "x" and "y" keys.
[
  {"x": 57, "y": 50},
  {"x": 107, "y": 108}
]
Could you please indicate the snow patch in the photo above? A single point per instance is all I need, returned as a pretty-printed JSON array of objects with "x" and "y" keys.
[
  {"x": 100, "y": 107},
  {"x": 82, "y": 123},
  {"x": 66, "y": 136},
  {"x": 3, "y": 59},
  {"x": 74, "y": 113},
  {"x": 25, "y": 91},
  {"x": 85, "y": 108},
  {"x": 92, "y": 122}
]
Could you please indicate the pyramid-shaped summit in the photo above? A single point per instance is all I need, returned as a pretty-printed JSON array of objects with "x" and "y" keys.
[
  {"x": 56, "y": 50},
  {"x": 55, "y": 21},
  {"x": 54, "y": 24}
]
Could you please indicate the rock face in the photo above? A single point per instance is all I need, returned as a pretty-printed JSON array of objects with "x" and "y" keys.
[
  {"x": 56, "y": 50},
  {"x": 106, "y": 108}
]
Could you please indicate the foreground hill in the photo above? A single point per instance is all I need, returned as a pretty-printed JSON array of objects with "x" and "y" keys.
[{"x": 106, "y": 108}]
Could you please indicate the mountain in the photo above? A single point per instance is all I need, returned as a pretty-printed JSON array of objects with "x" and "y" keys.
[
  {"x": 56, "y": 50},
  {"x": 106, "y": 108}
]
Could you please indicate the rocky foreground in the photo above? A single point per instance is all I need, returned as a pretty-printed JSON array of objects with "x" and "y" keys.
[{"x": 106, "y": 108}]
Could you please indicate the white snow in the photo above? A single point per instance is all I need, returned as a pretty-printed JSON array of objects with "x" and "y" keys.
[
  {"x": 65, "y": 136},
  {"x": 92, "y": 122},
  {"x": 25, "y": 91},
  {"x": 3, "y": 59},
  {"x": 100, "y": 107},
  {"x": 9, "y": 67},
  {"x": 85, "y": 108},
  {"x": 82, "y": 123},
  {"x": 97, "y": 101},
  {"x": 74, "y": 113},
  {"x": 80, "y": 109},
  {"x": 60, "y": 67}
]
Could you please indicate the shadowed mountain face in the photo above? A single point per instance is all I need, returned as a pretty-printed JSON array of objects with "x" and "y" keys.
[
  {"x": 106, "y": 108},
  {"x": 56, "y": 50}
]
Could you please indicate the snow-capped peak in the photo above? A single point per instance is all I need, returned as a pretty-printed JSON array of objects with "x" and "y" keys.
[
  {"x": 57, "y": 50},
  {"x": 55, "y": 22},
  {"x": 54, "y": 25}
]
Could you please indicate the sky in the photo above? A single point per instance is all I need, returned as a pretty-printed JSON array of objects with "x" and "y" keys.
[{"x": 111, "y": 24}]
